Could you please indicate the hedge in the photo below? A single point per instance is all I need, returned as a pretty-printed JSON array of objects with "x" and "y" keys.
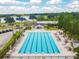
[{"x": 6, "y": 48}]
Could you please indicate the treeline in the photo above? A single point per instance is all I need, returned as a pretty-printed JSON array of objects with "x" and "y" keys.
[
  {"x": 9, "y": 19},
  {"x": 69, "y": 22},
  {"x": 47, "y": 18}
]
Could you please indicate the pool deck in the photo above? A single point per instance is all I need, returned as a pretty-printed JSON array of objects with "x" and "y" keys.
[{"x": 63, "y": 51}]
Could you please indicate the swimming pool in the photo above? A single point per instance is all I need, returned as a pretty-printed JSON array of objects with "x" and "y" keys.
[{"x": 39, "y": 43}]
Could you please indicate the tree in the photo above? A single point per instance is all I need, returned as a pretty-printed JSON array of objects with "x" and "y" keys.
[
  {"x": 70, "y": 24},
  {"x": 9, "y": 19}
]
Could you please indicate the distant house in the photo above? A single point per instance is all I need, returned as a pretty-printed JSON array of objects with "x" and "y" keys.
[
  {"x": 32, "y": 17},
  {"x": 26, "y": 17},
  {"x": 20, "y": 19},
  {"x": 50, "y": 16},
  {"x": 75, "y": 43}
]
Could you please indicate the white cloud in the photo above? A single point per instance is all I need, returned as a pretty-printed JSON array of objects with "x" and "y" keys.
[
  {"x": 33, "y": 9},
  {"x": 47, "y": 9},
  {"x": 55, "y": 2},
  {"x": 14, "y": 2},
  {"x": 18, "y": 10},
  {"x": 35, "y": 2},
  {"x": 53, "y": 9},
  {"x": 2, "y": 1},
  {"x": 11, "y": 2},
  {"x": 74, "y": 6},
  {"x": 12, "y": 10}
]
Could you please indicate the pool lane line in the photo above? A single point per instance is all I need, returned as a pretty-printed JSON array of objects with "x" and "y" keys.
[
  {"x": 39, "y": 43},
  {"x": 53, "y": 44},
  {"x": 33, "y": 49},
  {"x": 44, "y": 48},
  {"x": 29, "y": 44},
  {"x": 27, "y": 41},
  {"x": 32, "y": 42},
  {"x": 23, "y": 45},
  {"x": 36, "y": 42},
  {"x": 48, "y": 43}
]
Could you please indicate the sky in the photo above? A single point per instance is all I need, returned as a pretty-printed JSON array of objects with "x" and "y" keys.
[{"x": 38, "y": 6}]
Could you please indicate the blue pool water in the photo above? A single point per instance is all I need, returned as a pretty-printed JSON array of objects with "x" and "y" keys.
[{"x": 38, "y": 43}]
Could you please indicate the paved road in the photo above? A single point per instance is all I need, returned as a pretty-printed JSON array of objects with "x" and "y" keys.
[{"x": 4, "y": 38}]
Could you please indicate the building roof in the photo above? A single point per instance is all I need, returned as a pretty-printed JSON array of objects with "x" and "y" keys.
[{"x": 47, "y": 22}]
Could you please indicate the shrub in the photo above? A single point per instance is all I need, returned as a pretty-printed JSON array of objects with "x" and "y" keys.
[{"x": 77, "y": 50}]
